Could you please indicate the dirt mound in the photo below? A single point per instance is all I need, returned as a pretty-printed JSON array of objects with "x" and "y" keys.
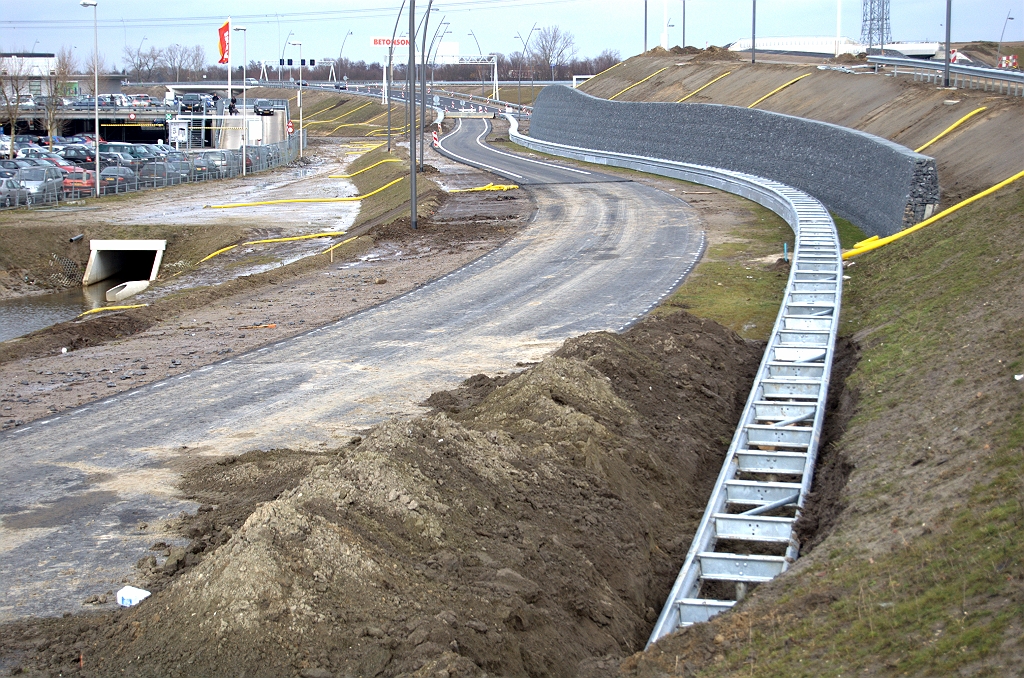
[
  {"x": 861, "y": 58},
  {"x": 685, "y": 51},
  {"x": 535, "y": 532},
  {"x": 713, "y": 53},
  {"x": 657, "y": 51}
]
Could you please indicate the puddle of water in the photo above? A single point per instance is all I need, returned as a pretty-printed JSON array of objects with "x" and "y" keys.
[{"x": 23, "y": 315}]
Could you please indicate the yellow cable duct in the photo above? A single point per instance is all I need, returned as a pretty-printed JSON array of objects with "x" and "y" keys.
[
  {"x": 708, "y": 84},
  {"x": 488, "y": 187},
  {"x": 875, "y": 244},
  {"x": 952, "y": 127},
  {"x": 349, "y": 176},
  {"x": 637, "y": 83},
  {"x": 778, "y": 89},
  {"x": 295, "y": 200},
  {"x": 110, "y": 308}
]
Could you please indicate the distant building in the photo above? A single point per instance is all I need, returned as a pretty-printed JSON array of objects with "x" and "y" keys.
[{"x": 36, "y": 68}]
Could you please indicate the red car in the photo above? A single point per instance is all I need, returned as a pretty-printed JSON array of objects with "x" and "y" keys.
[{"x": 79, "y": 181}]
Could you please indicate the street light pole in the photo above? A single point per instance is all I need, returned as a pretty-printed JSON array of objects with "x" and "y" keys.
[
  {"x": 412, "y": 113},
  {"x": 999, "y": 50},
  {"x": 299, "y": 44},
  {"x": 280, "y": 66},
  {"x": 483, "y": 89},
  {"x": 523, "y": 56},
  {"x": 424, "y": 53},
  {"x": 95, "y": 89},
  {"x": 245, "y": 61},
  {"x": 949, "y": 12},
  {"x": 753, "y": 33},
  {"x": 390, "y": 76}
]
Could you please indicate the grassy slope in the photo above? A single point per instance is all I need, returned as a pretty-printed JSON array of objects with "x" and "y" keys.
[{"x": 924, "y": 574}]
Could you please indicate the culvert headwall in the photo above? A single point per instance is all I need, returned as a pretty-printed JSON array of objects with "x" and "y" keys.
[
  {"x": 878, "y": 185},
  {"x": 128, "y": 259}
]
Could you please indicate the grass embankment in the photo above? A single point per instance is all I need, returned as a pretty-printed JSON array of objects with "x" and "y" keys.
[{"x": 924, "y": 574}]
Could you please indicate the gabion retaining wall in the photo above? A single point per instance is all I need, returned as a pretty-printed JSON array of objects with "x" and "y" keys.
[{"x": 878, "y": 185}]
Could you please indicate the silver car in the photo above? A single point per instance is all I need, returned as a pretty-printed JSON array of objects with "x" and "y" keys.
[
  {"x": 45, "y": 184},
  {"x": 13, "y": 193}
]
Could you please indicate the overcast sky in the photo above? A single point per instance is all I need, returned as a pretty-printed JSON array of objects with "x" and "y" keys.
[{"x": 321, "y": 25}]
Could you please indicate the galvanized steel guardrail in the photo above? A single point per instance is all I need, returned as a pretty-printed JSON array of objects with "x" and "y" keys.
[
  {"x": 746, "y": 535},
  {"x": 998, "y": 80}
]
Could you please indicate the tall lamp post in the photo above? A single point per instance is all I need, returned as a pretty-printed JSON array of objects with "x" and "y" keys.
[
  {"x": 523, "y": 56},
  {"x": 389, "y": 75},
  {"x": 483, "y": 89},
  {"x": 411, "y": 74},
  {"x": 949, "y": 12},
  {"x": 95, "y": 89},
  {"x": 245, "y": 61},
  {"x": 299, "y": 45},
  {"x": 999, "y": 51}
]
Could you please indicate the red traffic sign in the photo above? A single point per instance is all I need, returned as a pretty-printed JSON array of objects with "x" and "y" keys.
[
  {"x": 131, "y": 116},
  {"x": 291, "y": 127}
]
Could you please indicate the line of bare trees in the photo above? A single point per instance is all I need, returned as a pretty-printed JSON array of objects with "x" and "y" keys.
[{"x": 175, "y": 63}]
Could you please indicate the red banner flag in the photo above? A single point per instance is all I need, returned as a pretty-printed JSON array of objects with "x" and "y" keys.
[{"x": 224, "y": 33}]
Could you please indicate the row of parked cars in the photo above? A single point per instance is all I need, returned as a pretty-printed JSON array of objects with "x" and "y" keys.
[{"x": 38, "y": 175}]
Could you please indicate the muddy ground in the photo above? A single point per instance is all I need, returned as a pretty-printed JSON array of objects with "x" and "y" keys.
[{"x": 488, "y": 537}]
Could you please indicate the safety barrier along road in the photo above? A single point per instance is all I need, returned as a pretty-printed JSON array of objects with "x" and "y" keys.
[{"x": 769, "y": 466}]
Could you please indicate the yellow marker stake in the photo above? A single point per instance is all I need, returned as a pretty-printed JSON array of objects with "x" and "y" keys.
[
  {"x": 110, "y": 308},
  {"x": 294, "y": 200},
  {"x": 778, "y": 89},
  {"x": 703, "y": 86},
  {"x": 637, "y": 83},
  {"x": 952, "y": 127},
  {"x": 349, "y": 176},
  {"x": 945, "y": 213}
]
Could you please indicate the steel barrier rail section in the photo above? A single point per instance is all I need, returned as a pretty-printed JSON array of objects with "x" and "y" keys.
[
  {"x": 968, "y": 77},
  {"x": 769, "y": 466}
]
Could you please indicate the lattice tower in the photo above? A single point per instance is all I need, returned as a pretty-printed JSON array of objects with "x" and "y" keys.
[{"x": 874, "y": 27}]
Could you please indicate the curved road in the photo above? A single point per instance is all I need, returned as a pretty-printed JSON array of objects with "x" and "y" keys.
[{"x": 599, "y": 254}]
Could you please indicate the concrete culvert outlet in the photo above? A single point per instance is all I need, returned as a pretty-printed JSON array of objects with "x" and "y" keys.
[{"x": 126, "y": 259}]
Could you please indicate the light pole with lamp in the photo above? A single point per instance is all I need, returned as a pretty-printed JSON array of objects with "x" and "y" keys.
[
  {"x": 999, "y": 51},
  {"x": 523, "y": 56},
  {"x": 411, "y": 74},
  {"x": 95, "y": 88},
  {"x": 245, "y": 61},
  {"x": 483, "y": 88},
  {"x": 389, "y": 75},
  {"x": 424, "y": 53},
  {"x": 280, "y": 64},
  {"x": 343, "y": 41},
  {"x": 299, "y": 45}
]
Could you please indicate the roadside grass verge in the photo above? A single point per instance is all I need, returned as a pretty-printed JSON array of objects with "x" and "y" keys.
[
  {"x": 926, "y": 576},
  {"x": 740, "y": 283}
]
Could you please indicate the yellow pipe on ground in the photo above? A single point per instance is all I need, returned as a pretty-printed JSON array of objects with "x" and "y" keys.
[
  {"x": 349, "y": 176},
  {"x": 952, "y": 127},
  {"x": 488, "y": 187},
  {"x": 333, "y": 247},
  {"x": 343, "y": 115},
  {"x": 637, "y": 83},
  {"x": 703, "y": 86},
  {"x": 858, "y": 245},
  {"x": 109, "y": 308},
  {"x": 931, "y": 220},
  {"x": 330, "y": 234},
  {"x": 607, "y": 69},
  {"x": 778, "y": 89},
  {"x": 220, "y": 251},
  {"x": 294, "y": 200}
]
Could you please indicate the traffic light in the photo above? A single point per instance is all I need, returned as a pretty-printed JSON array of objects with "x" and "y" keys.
[
  {"x": 281, "y": 62},
  {"x": 312, "y": 62},
  {"x": 302, "y": 62},
  {"x": 289, "y": 62}
]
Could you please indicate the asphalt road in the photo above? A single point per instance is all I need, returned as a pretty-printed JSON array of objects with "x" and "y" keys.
[{"x": 84, "y": 491}]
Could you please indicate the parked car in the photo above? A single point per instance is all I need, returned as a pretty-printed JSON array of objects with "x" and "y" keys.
[
  {"x": 163, "y": 173},
  {"x": 79, "y": 181},
  {"x": 80, "y": 155},
  {"x": 118, "y": 180},
  {"x": 45, "y": 184},
  {"x": 262, "y": 107},
  {"x": 111, "y": 159},
  {"x": 192, "y": 103},
  {"x": 140, "y": 100},
  {"x": 13, "y": 193}
]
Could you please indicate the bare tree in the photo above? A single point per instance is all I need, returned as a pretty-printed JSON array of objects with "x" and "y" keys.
[
  {"x": 13, "y": 78},
  {"x": 197, "y": 61},
  {"x": 553, "y": 47},
  {"x": 58, "y": 86},
  {"x": 89, "y": 85},
  {"x": 142, "y": 62},
  {"x": 177, "y": 58},
  {"x": 606, "y": 60}
]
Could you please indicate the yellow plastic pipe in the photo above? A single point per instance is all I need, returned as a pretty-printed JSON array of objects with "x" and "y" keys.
[
  {"x": 296, "y": 237},
  {"x": 349, "y": 176},
  {"x": 222, "y": 250},
  {"x": 488, "y": 187},
  {"x": 952, "y": 127},
  {"x": 109, "y": 308},
  {"x": 931, "y": 220},
  {"x": 637, "y": 83},
  {"x": 294, "y": 200},
  {"x": 332, "y": 247},
  {"x": 778, "y": 89},
  {"x": 708, "y": 84}
]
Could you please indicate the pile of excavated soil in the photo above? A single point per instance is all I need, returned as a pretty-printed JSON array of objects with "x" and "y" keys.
[{"x": 529, "y": 526}]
